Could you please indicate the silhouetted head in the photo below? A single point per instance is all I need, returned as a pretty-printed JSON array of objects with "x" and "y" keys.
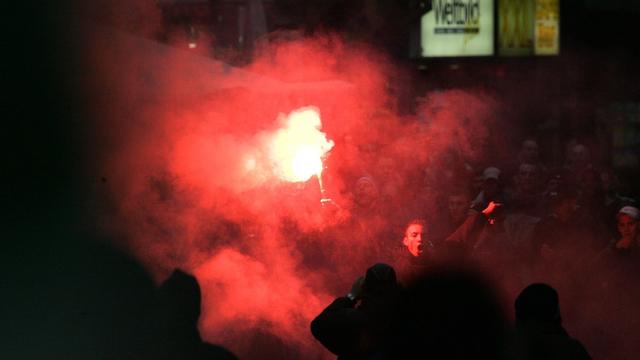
[
  {"x": 380, "y": 278},
  {"x": 538, "y": 302},
  {"x": 180, "y": 296},
  {"x": 451, "y": 313}
]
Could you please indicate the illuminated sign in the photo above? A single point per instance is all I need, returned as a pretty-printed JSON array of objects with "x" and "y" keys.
[
  {"x": 547, "y": 32},
  {"x": 457, "y": 28},
  {"x": 515, "y": 27},
  {"x": 528, "y": 27}
]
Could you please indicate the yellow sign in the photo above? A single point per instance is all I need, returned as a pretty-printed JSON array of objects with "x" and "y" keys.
[
  {"x": 547, "y": 30},
  {"x": 528, "y": 27},
  {"x": 515, "y": 28}
]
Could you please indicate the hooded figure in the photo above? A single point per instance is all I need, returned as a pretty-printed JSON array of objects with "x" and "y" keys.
[
  {"x": 358, "y": 325},
  {"x": 539, "y": 331}
]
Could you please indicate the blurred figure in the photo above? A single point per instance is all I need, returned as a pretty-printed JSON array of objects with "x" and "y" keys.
[
  {"x": 613, "y": 200},
  {"x": 446, "y": 222},
  {"x": 179, "y": 299},
  {"x": 578, "y": 159},
  {"x": 390, "y": 181},
  {"x": 458, "y": 205},
  {"x": 628, "y": 218},
  {"x": 491, "y": 189},
  {"x": 525, "y": 197},
  {"x": 622, "y": 256},
  {"x": 618, "y": 290},
  {"x": 365, "y": 194},
  {"x": 539, "y": 331},
  {"x": 529, "y": 153},
  {"x": 450, "y": 313},
  {"x": 558, "y": 228},
  {"x": 369, "y": 221},
  {"x": 359, "y": 324}
]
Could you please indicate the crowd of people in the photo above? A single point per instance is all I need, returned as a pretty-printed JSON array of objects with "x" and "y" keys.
[{"x": 520, "y": 222}]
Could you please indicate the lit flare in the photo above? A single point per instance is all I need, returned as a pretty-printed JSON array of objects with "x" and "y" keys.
[{"x": 298, "y": 148}]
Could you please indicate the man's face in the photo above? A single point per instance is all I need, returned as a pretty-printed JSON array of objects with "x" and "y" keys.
[
  {"x": 413, "y": 239},
  {"x": 365, "y": 192},
  {"x": 527, "y": 177},
  {"x": 627, "y": 226},
  {"x": 458, "y": 206}
]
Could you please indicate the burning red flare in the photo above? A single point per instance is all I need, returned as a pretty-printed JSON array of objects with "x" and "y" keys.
[{"x": 297, "y": 149}]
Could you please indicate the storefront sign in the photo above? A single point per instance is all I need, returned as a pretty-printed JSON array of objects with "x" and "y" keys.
[{"x": 458, "y": 28}]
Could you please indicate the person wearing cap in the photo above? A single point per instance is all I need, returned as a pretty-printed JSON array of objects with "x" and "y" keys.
[
  {"x": 622, "y": 256},
  {"x": 491, "y": 189},
  {"x": 613, "y": 199},
  {"x": 614, "y": 279},
  {"x": 358, "y": 325},
  {"x": 628, "y": 218}
]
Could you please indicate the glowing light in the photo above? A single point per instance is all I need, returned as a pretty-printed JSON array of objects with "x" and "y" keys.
[
  {"x": 306, "y": 163},
  {"x": 297, "y": 149}
]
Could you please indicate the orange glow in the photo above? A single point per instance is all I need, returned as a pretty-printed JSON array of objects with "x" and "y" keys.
[{"x": 297, "y": 149}]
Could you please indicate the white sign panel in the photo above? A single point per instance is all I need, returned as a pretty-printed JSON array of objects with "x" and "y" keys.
[{"x": 458, "y": 28}]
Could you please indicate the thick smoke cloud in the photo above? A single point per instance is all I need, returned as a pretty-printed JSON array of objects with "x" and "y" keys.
[{"x": 173, "y": 134}]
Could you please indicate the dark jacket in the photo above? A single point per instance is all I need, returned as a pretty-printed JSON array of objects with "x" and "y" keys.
[
  {"x": 546, "y": 341},
  {"x": 356, "y": 330}
]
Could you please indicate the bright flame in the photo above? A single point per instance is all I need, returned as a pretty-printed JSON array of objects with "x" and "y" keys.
[{"x": 298, "y": 148}]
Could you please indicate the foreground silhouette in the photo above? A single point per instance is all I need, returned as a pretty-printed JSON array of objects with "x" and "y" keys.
[
  {"x": 179, "y": 300},
  {"x": 539, "y": 331}
]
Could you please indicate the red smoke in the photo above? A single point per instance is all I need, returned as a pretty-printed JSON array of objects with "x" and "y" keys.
[{"x": 174, "y": 132}]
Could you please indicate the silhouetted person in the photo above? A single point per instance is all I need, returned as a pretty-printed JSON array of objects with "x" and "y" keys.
[
  {"x": 539, "y": 331},
  {"x": 358, "y": 325},
  {"x": 179, "y": 298},
  {"x": 449, "y": 313}
]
